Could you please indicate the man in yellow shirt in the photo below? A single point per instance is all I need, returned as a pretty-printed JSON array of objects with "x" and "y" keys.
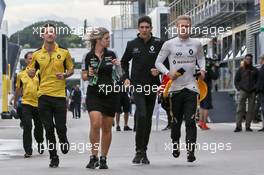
[
  {"x": 55, "y": 65},
  {"x": 27, "y": 87}
]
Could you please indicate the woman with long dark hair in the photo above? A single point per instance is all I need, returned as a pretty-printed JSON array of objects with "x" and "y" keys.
[{"x": 98, "y": 69}]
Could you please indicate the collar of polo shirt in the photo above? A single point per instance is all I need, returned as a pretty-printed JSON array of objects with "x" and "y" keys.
[{"x": 43, "y": 49}]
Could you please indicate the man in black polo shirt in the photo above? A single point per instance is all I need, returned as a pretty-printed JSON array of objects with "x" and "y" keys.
[{"x": 143, "y": 51}]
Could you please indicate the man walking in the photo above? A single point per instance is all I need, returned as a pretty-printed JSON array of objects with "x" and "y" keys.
[
  {"x": 184, "y": 53},
  {"x": 77, "y": 99},
  {"x": 245, "y": 82},
  {"x": 27, "y": 88},
  {"x": 55, "y": 65},
  {"x": 143, "y": 52}
]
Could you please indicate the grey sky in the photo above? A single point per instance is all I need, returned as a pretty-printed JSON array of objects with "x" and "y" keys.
[{"x": 21, "y": 13}]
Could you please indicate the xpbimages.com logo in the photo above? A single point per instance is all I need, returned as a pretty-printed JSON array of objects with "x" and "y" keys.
[
  {"x": 77, "y": 147},
  {"x": 116, "y": 88},
  {"x": 210, "y": 147},
  {"x": 211, "y": 31},
  {"x": 64, "y": 30}
]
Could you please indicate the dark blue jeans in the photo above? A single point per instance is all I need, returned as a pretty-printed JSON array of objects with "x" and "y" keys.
[{"x": 77, "y": 109}]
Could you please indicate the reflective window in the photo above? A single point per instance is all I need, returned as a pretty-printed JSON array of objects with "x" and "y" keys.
[
  {"x": 240, "y": 44},
  {"x": 226, "y": 75},
  {"x": 227, "y": 48}
]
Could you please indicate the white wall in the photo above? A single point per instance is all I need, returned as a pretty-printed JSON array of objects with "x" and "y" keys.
[
  {"x": 120, "y": 39},
  {"x": 155, "y": 18}
]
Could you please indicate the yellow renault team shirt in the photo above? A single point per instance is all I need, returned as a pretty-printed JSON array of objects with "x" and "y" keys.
[
  {"x": 49, "y": 65},
  {"x": 29, "y": 87}
]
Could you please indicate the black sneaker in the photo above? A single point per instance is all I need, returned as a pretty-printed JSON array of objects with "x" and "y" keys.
[
  {"x": 64, "y": 146},
  {"x": 54, "y": 162},
  {"x": 145, "y": 159},
  {"x": 41, "y": 148},
  {"x": 138, "y": 158},
  {"x": 190, "y": 156},
  {"x": 27, "y": 155},
  {"x": 238, "y": 129},
  {"x": 249, "y": 130},
  {"x": 176, "y": 149},
  {"x": 93, "y": 163},
  {"x": 118, "y": 128},
  {"x": 103, "y": 164},
  {"x": 127, "y": 128},
  {"x": 261, "y": 130}
]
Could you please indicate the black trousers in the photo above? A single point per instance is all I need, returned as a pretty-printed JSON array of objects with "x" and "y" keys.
[
  {"x": 144, "y": 110},
  {"x": 184, "y": 104},
  {"x": 165, "y": 104},
  {"x": 29, "y": 113},
  {"x": 53, "y": 115},
  {"x": 77, "y": 109}
]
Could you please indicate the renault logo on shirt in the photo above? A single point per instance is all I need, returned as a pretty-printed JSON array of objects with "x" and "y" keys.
[
  {"x": 191, "y": 52},
  {"x": 151, "y": 49},
  {"x": 178, "y": 54}
]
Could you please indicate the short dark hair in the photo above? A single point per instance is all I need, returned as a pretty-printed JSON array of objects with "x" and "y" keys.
[
  {"x": 146, "y": 19},
  {"x": 46, "y": 26},
  {"x": 26, "y": 55},
  {"x": 249, "y": 55}
]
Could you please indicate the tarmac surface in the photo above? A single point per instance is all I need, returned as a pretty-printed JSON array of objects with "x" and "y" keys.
[{"x": 221, "y": 152}]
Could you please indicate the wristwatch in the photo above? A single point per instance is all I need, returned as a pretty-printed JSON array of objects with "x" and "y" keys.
[{"x": 65, "y": 75}]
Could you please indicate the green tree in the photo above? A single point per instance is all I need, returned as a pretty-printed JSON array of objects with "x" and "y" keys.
[{"x": 30, "y": 36}]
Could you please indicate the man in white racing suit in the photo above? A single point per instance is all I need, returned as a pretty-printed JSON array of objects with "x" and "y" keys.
[{"x": 184, "y": 54}]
